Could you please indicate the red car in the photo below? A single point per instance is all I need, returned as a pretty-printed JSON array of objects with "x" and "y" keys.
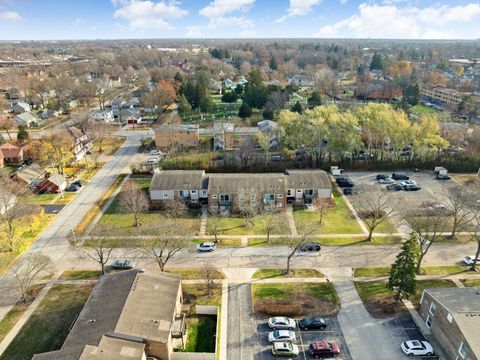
[{"x": 320, "y": 349}]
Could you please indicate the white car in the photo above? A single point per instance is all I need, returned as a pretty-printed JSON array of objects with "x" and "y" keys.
[
  {"x": 206, "y": 246},
  {"x": 469, "y": 259},
  {"x": 281, "y": 322},
  {"x": 386, "y": 181},
  {"x": 281, "y": 335},
  {"x": 416, "y": 347},
  {"x": 152, "y": 161},
  {"x": 156, "y": 152},
  {"x": 406, "y": 183}
]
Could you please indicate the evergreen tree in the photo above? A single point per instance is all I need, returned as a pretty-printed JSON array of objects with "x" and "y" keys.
[
  {"x": 402, "y": 278},
  {"x": 377, "y": 62},
  {"x": 178, "y": 77},
  {"x": 273, "y": 63},
  {"x": 268, "y": 114},
  {"x": 412, "y": 94},
  {"x": 245, "y": 111},
  {"x": 297, "y": 108},
  {"x": 314, "y": 100},
  {"x": 229, "y": 97},
  {"x": 183, "y": 104},
  {"x": 205, "y": 103},
  {"x": 22, "y": 133}
]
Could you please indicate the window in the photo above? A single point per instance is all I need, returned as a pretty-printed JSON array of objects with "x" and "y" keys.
[
  {"x": 289, "y": 192},
  {"x": 165, "y": 194},
  {"x": 193, "y": 191},
  {"x": 432, "y": 310},
  {"x": 269, "y": 197},
  {"x": 309, "y": 192},
  {"x": 241, "y": 197},
  {"x": 462, "y": 351},
  {"x": 428, "y": 322},
  {"x": 225, "y": 197}
]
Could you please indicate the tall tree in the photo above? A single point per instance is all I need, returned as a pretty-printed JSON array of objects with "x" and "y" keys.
[
  {"x": 28, "y": 272},
  {"x": 133, "y": 200},
  {"x": 245, "y": 111},
  {"x": 402, "y": 280},
  {"x": 377, "y": 62}
]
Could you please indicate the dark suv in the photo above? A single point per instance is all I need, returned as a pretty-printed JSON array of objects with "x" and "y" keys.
[
  {"x": 400, "y": 176},
  {"x": 344, "y": 182},
  {"x": 321, "y": 349}
]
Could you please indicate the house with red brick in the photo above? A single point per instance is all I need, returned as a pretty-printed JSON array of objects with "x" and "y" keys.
[{"x": 12, "y": 155}]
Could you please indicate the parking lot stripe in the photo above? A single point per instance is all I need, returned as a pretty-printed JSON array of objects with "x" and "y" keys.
[{"x": 302, "y": 345}]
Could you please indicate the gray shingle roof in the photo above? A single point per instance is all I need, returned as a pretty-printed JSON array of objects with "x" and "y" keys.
[
  {"x": 178, "y": 180},
  {"x": 246, "y": 183}
]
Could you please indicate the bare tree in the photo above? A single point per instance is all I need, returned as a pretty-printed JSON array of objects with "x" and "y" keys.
[
  {"x": 247, "y": 214},
  {"x": 322, "y": 205},
  {"x": 175, "y": 208},
  {"x": 168, "y": 239},
  {"x": 99, "y": 131},
  {"x": 246, "y": 152},
  {"x": 100, "y": 249},
  {"x": 374, "y": 207},
  {"x": 28, "y": 272},
  {"x": 458, "y": 201},
  {"x": 270, "y": 223},
  {"x": 213, "y": 226},
  {"x": 7, "y": 125},
  {"x": 294, "y": 242},
  {"x": 208, "y": 274},
  {"x": 133, "y": 200}
]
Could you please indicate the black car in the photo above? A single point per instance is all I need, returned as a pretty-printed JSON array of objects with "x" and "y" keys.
[
  {"x": 78, "y": 183},
  {"x": 310, "y": 246},
  {"x": 400, "y": 176},
  {"x": 312, "y": 322},
  {"x": 72, "y": 188},
  {"x": 382, "y": 176},
  {"x": 411, "y": 187},
  {"x": 350, "y": 191},
  {"x": 394, "y": 187},
  {"x": 344, "y": 182}
]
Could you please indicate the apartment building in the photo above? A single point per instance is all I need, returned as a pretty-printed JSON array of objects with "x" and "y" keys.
[{"x": 445, "y": 95}]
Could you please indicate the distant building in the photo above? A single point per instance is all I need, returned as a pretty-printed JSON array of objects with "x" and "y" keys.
[
  {"x": 379, "y": 90},
  {"x": 12, "y": 155},
  {"x": 453, "y": 316},
  {"x": 114, "y": 81},
  {"x": 300, "y": 81},
  {"x": 445, "y": 95},
  {"x": 167, "y": 136},
  {"x": 129, "y": 315},
  {"x": 27, "y": 119},
  {"x": 83, "y": 144},
  {"x": 21, "y": 107},
  {"x": 101, "y": 115}
]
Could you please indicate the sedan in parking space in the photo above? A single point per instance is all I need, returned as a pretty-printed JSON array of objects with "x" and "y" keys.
[
  {"x": 443, "y": 177},
  {"x": 470, "y": 259},
  {"x": 411, "y": 187},
  {"x": 281, "y": 322},
  {"x": 281, "y": 335},
  {"x": 310, "y": 246},
  {"x": 206, "y": 246},
  {"x": 400, "y": 176},
  {"x": 123, "y": 264},
  {"x": 344, "y": 182},
  {"x": 152, "y": 161},
  {"x": 156, "y": 152},
  {"x": 416, "y": 347},
  {"x": 322, "y": 349},
  {"x": 350, "y": 191},
  {"x": 394, "y": 187},
  {"x": 312, "y": 322},
  {"x": 285, "y": 349},
  {"x": 386, "y": 181},
  {"x": 381, "y": 177}
]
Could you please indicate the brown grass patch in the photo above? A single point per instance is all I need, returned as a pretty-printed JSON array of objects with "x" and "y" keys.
[
  {"x": 304, "y": 305},
  {"x": 381, "y": 306}
]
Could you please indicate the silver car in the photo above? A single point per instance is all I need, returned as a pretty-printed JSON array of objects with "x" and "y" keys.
[{"x": 281, "y": 322}]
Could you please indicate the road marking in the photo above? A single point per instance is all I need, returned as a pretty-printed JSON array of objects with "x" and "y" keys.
[{"x": 301, "y": 346}]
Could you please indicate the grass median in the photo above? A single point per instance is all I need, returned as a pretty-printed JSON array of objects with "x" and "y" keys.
[{"x": 280, "y": 273}]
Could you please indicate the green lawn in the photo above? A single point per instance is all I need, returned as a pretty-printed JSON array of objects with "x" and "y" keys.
[
  {"x": 195, "y": 274},
  {"x": 235, "y": 225},
  {"x": 287, "y": 291},
  {"x": 336, "y": 220},
  {"x": 426, "y": 270},
  {"x": 201, "y": 334},
  {"x": 386, "y": 227},
  {"x": 471, "y": 282},
  {"x": 423, "y": 109},
  {"x": 339, "y": 241},
  {"x": 195, "y": 294},
  {"x": 294, "y": 273},
  {"x": 228, "y": 242},
  {"x": 11, "y": 318},
  {"x": 48, "y": 326},
  {"x": 80, "y": 275}
]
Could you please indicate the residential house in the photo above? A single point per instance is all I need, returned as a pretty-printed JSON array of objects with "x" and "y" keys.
[
  {"x": 379, "y": 90},
  {"x": 12, "y": 155},
  {"x": 190, "y": 186},
  {"x": 26, "y": 119},
  {"x": 101, "y": 115},
  {"x": 83, "y": 145},
  {"x": 114, "y": 81},
  {"x": 237, "y": 192},
  {"x": 453, "y": 316},
  {"x": 223, "y": 138},
  {"x": 21, "y": 107},
  {"x": 52, "y": 184},
  {"x": 30, "y": 175},
  {"x": 300, "y": 80},
  {"x": 183, "y": 136},
  {"x": 129, "y": 315},
  {"x": 270, "y": 128},
  {"x": 131, "y": 116}
]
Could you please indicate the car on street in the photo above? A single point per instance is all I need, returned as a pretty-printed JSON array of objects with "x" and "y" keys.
[
  {"x": 344, "y": 182},
  {"x": 281, "y": 323},
  {"x": 443, "y": 177},
  {"x": 408, "y": 182},
  {"x": 382, "y": 176},
  {"x": 312, "y": 322},
  {"x": 411, "y": 187},
  {"x": 281, "y": 335},
  {"x": 400, "y": 176},
  {"x": 322, "y": 349},
  {"x": 152, "y": 161},
  {"x": 386, "y": 181},
  {"x": 285, "y": 349},
  {"x": 350, "y": 191},
  {"x": 206, "y": 246},
  {"x": 416, "y": 347},
  {"x": 79, "y": 183},
  {"x": 72, "y": 188},
  {"x": 122, "y": 264},
  {"x": 310, "y": 246},
  {"x": 469, "y": 259},
  {"x": 394, "y": 187}
]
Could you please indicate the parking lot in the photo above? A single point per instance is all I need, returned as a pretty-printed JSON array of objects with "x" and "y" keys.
[{"x": 333, "y": 333}]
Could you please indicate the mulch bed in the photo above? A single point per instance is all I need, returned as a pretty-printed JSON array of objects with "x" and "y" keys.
[
  {"x": 304, "y": 305},
  {"x": 382, "y": 306}
]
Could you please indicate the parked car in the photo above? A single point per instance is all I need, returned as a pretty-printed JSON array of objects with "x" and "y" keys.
[
  {"x": 382, "y": 176},
  {"x": 443, "y": 177},
  {"x": 206, "y": 246},
  {"x": 344, "y": 182},
  {"x": 312, "y": 322},
  {"x": 350, "y": 191},
  {"x": 281, "y": 322},
  {"x": 275, "y": 158},
  {"x": 400, "y": 176},
  {"x": 387, "y": 180},
  {"x": 285, "y": 349},
  {"x": 411, "y": 187},
  {"x": 281, "y": 335},
  {"x": 416, "y": 347},
  {"x": 310, "y": 246},
  {"x": 394, "y": 187},
  {"x": 321, "y": 349},
  {"x": 123, "y": 264},
  {"x": 469, "y": 259},
  {"x": 156, "y": 152},
  {"x": 72, "y": 188},
  {"x": 408, "y": 182},
  {"x": 79, "y": 183},
  {"x": 152, "y": 161}
]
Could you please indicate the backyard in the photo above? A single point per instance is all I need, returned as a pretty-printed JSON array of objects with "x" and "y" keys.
[{"x": 236, "y": 225}]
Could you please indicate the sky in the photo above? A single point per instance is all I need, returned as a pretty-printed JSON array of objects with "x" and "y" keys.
[{"x": 124, "y": 19}]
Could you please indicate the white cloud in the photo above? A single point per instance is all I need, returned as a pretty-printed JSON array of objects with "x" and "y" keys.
[
  {"x": 10, "y": 16},
  {"x": 391, "y": 21},
  {"x": 228, "y": 13},
  {"x": 193, "y": 31},
  {"x": 146, "y": 14},
  {"x": 299, "y": 8}
]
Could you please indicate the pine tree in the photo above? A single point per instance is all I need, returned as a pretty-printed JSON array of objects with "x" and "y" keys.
[
  {"x": 314, "y": 100},
  {"x": 377, "y": 63},
  {"x": 402, "y": 280},
  {"x": 22, "y": 133},
  {"x": 297, "y": 108},
  {"x": 183, "y": 104},
  {"x": 245, "y": 111}
]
